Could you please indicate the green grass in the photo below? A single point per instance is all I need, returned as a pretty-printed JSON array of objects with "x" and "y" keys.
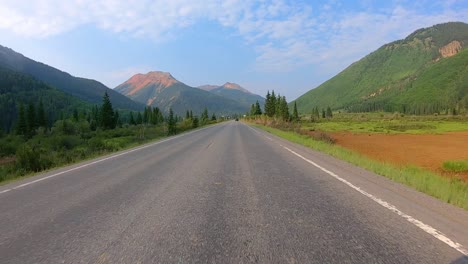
[
  {"x": 456, "y": 165},
  {"x": 453, "y": 191}
]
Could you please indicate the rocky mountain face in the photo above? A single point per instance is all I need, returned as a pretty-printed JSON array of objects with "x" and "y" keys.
[{"x": 161, "y": 89}]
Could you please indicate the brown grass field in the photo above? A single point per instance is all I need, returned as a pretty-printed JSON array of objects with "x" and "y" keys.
[{"x": 428, "y": 151}]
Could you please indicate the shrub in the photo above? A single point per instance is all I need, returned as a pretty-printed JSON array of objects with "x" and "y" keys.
[
  {"x": 32, "y": 158},
  {"x": 9, "y": 144},
  {"x": 96, "y": 144}
]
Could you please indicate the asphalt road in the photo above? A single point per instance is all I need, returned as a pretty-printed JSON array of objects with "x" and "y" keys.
[{"x": 224, "y": 194}]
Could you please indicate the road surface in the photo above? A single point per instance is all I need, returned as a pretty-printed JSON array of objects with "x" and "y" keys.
[{"x": 224, "y": 194}]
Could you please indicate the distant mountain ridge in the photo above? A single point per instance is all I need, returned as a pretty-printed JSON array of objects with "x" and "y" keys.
[
  {"x": 88, "y": 90},
  {"x": 161, "y": 89},
  {"x": 235, "y": 92},
  {"x": 424, "y": 73}
]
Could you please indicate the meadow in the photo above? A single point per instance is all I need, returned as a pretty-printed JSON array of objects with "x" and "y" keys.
[
  {"x": 388, "y": 123},
  {"x": 430, "y": 151}
]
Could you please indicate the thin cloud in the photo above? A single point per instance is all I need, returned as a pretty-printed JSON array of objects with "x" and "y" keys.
[{"x": 285, "y": 34}]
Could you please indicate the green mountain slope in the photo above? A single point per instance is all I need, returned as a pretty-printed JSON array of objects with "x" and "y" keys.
[
  {"x": 18, "y": 88},
  {"x": 420, "y": 74},
  {"x": 161, "y": 90},
  {"x": 85, "y": 89}
]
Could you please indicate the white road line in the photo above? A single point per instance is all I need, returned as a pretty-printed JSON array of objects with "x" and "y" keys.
[
  {"x": 427, "y": 228},
  {"x": 98, "y": 161}
]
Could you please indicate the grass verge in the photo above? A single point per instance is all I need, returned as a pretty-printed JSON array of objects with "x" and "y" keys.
[{"x": 450, "y": 190}]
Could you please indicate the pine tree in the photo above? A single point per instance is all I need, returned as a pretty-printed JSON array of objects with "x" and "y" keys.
[
  {"x": 295, "y": 113},
  {"x": 267, "y": 105},
  {"x": 21, "y": 127},
  {"x": 171, "y": 123},
  {"x": 284, "y": 108},
  {"x": 323, "y": 113},
  {"x": 155, "y": 116},
  {"x": 31, "y": 120},
  {"x": 213, "y": 117},
  {"x": 278, "y": 107},
  {"x": 132, "y": 119},
  {"x": 258, "y": 109},
  {"x": 117, "y": 120},
  {"x": 204, "y": 116},
  {"x": 75, "y": 115},
  {"x": 195, "y": 122},
  {"x": 139, "y": 119},
  {"x": 252, "y": 109},
  {"x": 41, "y": 115},
  {"x": 187, "y": 115},
  {"x": 107, "y": 113},
  {"x": 329, "y": 113},
  {"x": 272, "y": 104},
  {"x": 317, "y": 112},
  {"x": 146, "y": 114},
  {"x": 191, "y": 114}
]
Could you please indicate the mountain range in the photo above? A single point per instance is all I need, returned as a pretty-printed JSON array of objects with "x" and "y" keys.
[
  {"x": 161, "y": 89},
  {"x": 88, "y": 90},
  {"x": 427, "y": 72},
  {"x": 234, "y": 92}
]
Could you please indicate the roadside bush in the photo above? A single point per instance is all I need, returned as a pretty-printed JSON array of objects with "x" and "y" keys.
[
  {"x": 65, "y": 142},
  {"x": 96, "y": 144},
  {"x": 65, "y": 127},
  {"x": 114, "y": 144},
  {"x": 30, "y": 158},
  {"x": 9, "y": 145}
]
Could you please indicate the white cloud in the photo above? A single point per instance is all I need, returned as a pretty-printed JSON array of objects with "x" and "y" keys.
[{"x": 285, "y": 34}]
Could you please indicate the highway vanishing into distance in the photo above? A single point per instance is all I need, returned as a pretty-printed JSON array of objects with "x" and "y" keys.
[{"x": 228, "y": 193}]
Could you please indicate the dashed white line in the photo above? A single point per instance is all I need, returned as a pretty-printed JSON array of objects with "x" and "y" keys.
[{"x": 427, "y": 228}]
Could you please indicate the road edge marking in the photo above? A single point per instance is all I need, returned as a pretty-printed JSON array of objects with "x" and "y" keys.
[
  {"x": 101, "y": 160},
  {"x": 425, "y": 227}
]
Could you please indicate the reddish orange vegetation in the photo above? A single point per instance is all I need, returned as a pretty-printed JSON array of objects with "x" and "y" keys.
[
  {"x": 427, "y": 151},
  {"x": 139, "y": 81}
]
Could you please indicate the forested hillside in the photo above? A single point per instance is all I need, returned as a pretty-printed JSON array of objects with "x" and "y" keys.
[
  {"x": 422, "y": 74},
  {"x": 88, "y": 90},
  {"x": 20, "y": 90}
]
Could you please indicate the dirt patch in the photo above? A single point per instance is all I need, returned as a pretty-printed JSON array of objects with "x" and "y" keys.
[
  {"x": 7, "y": 160},
  {"x": 427, "y": 151}
]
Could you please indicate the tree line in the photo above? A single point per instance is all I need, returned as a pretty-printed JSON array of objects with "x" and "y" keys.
[
  {"x": 35, "y": 145},
  {"x": 31, "y": 117},
  {"x": 276, "y": 106}
]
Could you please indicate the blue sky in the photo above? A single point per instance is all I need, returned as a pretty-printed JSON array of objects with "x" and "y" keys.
[{"x": 288, "y": 46}]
